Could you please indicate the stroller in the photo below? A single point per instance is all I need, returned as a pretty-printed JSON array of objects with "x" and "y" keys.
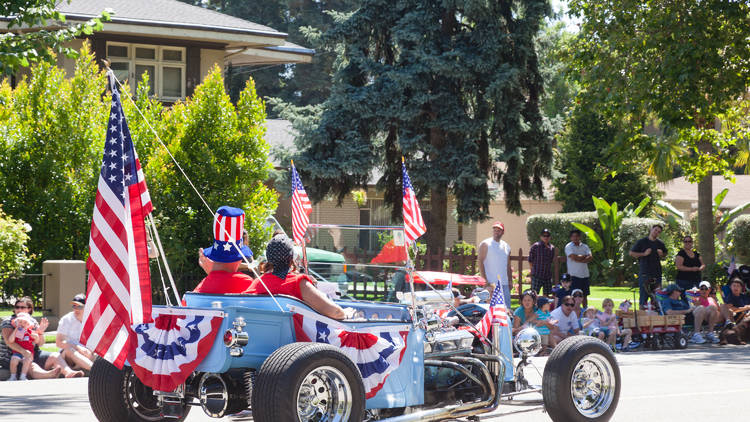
[{"x": 662, "y": 331}]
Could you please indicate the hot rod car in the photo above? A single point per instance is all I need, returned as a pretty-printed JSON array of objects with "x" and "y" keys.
[{"x": 429, "y": 367}]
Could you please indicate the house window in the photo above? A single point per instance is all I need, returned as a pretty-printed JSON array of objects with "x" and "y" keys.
[{"x": 165, "y": 67}]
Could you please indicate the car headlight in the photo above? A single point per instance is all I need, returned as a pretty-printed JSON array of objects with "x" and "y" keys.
[{"x": 528, "y": 342}]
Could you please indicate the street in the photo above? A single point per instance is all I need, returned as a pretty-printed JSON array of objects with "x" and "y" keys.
[{"x": 705, "y": 383}]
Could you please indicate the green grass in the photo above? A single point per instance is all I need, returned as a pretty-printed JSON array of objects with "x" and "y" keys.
[{"x": 6, "y": 312}]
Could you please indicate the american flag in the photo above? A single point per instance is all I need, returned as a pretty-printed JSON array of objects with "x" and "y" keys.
[
  {"x": 119, "y": 284},
  {"x": 497, "y": 312},
  {"x": 413, "y": 223},
  {"x": 301, "y": 208}
]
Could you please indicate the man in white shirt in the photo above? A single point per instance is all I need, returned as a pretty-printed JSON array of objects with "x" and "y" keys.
[
  {"x": 579, "y": 256},
  {"x": 565, "y": 320},
  {"x": 68, "y": 336},
  {"x": 494, "y": 262}
]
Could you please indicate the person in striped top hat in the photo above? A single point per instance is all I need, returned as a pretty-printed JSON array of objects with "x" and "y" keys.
[{"x": 221, "y": 260}]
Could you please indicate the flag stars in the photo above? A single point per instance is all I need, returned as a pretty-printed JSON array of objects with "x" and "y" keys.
[
  {"x": 112, "y": 141},
  {"x": 128, "y": 177},
  {"x": 112, "y": 166},
  {"x": 112, "y": 178},
  {"x": 227, "y": 247},
  {"x": 113, "y": 129},
  {"x": 112, "y": 153},
  {"x": 124, "y": 157}
]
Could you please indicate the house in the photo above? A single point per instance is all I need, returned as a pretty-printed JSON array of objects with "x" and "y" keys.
[
  {"x": 373, "y": 211},
  {"x": 683, "y": 195},
  {"x": 176, "y": 43}
]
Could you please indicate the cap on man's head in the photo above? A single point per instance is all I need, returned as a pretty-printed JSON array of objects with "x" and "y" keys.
[
  {"x": 228, "y": 225},
  {"x": 565, "y": 278},
  {"x": 79, "y": 299},
  {"x": 576, "y": 292},
  {"x": 672, "y": 287},
  {"x": 705, "y": 284},
  {"x": 545, "y": 231},
  {"x": 541, "y": 301},
  {"x": 498, "y": 225}
]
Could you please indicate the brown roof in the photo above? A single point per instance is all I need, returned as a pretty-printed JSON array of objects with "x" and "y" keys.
[
  {"x": 679, "y": 189},
  {"x": 164, "y": 13}
]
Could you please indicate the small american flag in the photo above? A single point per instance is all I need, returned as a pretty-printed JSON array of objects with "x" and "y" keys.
[
  {"x": 301, "y": 208},
  {"x": 413, "y": 223},
  {"x": 497, "y": 312},
  {"x": 119, "y": 284}
]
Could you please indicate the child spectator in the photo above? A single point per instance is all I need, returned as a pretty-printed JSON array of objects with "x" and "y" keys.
[
  {"x": 565, "y": 320},
  {"x": 543, "y": 322},
  {"x": 608, "y": 325},
  {"x": 590, "y": 323},
  {"x": 25, "y": 337},
  {"x": 563, "y": 289}
]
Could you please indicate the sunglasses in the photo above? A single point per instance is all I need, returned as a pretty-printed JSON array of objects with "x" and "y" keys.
[
  {"x": 687, "y": 241},
  {"x": 570, "y": 305},
  {"x": 77, "y": 306},
  {"x": 577, "y": 295},
  {"x": 704, "y": 288},
  {"x": 545, "y": 235},
  {"x": 22, "y": 307}
]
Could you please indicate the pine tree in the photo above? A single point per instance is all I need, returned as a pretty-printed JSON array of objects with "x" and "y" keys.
[{"x": 452, "y": 85}]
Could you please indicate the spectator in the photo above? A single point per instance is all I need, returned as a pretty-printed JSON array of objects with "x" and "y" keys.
[
  {"x": 578, "y": 257},
  {"x": 24, "y": 337},
  {"x": 46, "y": 364},
  {"x": 590, "y": 324},
  {"x": 735, "y": 302},
  {"x": 649, "y": 251},
  {"x": 608, "y": 325},
  {"x": 565, "y": 320},
  {"x": 578, "y": 299},
  {"x": 541, "y": 256},
  {"x": 706, "y": 309},
  {"x": 68, "y": 335},
  {"x": 674, "y": 304},
  {"x": 543, "y": 324},
  {"x": 494, "y": 262},
  {"x": 564, "y": 289},
  {"x": 689, "y": 265},
  {"x": 459, "y": 299},
  {"x": 526, "y": 313},
  {"x": 221, "y": 261}
]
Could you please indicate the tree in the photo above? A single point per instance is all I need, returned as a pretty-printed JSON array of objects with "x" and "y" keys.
[
  {"x": 22, "y": 48},
  {"x": 14, "y": 254},
  {"x": 453, "y": 86},
  {"x": 588, "y": 168},
  {"x": 560, "y": 89},
  {"x": 682, "y": 63}
]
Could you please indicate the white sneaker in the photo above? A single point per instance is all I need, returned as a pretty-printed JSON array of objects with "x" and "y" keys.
[
  {"x": 697, "y": 339},
  {"x": 710, "y": 336}
]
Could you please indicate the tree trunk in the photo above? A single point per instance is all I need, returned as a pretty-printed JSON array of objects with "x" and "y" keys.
[
  {"x": 706, "y": 220},
  {"x": 438, "y": 219}
]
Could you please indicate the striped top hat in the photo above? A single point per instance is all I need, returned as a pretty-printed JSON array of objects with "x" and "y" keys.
[{"x": 228, "y": 225}]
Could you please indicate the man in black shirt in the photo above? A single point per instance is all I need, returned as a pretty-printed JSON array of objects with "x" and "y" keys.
[{"x": 649, "y": 251}]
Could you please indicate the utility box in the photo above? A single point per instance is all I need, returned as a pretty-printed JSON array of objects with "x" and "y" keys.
[{"x": 64, "y": 280}]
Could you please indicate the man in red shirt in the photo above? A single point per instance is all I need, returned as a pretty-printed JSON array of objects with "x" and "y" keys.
[{"x": 222, "y": 260}]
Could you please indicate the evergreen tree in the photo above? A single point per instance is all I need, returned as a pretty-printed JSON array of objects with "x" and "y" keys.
[
  {"x": 452, "y": 85},
  {"x": 585, "y": 164}
]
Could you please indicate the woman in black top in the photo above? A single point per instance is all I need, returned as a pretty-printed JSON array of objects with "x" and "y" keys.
[{"x": 689, "y": 265}]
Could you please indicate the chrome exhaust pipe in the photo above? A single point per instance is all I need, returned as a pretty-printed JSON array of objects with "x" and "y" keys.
[{"x": 467, "y": 409}]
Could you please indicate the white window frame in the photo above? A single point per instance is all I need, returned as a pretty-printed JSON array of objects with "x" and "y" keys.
[{"x": 158, "y": 64}]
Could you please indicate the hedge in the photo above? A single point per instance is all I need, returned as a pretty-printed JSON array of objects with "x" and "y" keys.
[
  {"x": 632, "y": 229},
  {"x": 738, "y": 236}
]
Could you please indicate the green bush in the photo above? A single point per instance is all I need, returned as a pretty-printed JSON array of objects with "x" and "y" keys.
[
  {"x": 14, "y": 254},
  {"x": 738, "y": 237},
  {"x": 632, "y": 229},
  {"x": 560, "y": 226}
]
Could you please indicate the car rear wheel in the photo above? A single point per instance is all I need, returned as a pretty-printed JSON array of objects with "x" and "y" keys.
[
  {"x": 581, "y": 381},
  {"x": 308, "y": 382},
  {"x": 117, "y": 395}
]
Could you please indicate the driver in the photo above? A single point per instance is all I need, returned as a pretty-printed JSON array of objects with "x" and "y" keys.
[
  {"x": 222, "y": 260},
  {"x": 280, "y": 280}
]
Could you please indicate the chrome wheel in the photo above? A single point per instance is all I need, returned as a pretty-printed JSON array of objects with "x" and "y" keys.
[
  {"x": 324, "y": 395},
  {"x": 593, "y": 385},
  {"x": 140, "y": 398}
]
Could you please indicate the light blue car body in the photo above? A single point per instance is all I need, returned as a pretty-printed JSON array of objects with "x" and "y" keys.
[{"x": 269, "y": 328}]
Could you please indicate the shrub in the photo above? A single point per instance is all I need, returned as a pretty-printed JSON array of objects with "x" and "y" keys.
[
  {"x": 738, "y": 237},
  {"x": 560, "y": 225}
]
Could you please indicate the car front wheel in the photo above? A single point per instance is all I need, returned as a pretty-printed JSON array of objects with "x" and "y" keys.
[{"x": 581, "y": 381}]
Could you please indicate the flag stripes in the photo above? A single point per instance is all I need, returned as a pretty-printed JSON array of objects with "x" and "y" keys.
[{"x": 301, "y": 208}]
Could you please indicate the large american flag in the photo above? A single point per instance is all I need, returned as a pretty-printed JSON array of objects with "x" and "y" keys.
[
  {"x": 301, "y": 208},
  {"x": 413, "y": 223},
  {"x": 498, "y": 312},
  {"x": 119, "y": 284}
]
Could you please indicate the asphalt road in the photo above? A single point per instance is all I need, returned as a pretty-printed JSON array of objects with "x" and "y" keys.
[{"x": 702, "y": 383}]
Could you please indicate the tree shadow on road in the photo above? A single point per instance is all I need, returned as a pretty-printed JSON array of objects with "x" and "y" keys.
[
  {"x": 693, "y": 355},
  {"x": 51, "y": 404}
]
